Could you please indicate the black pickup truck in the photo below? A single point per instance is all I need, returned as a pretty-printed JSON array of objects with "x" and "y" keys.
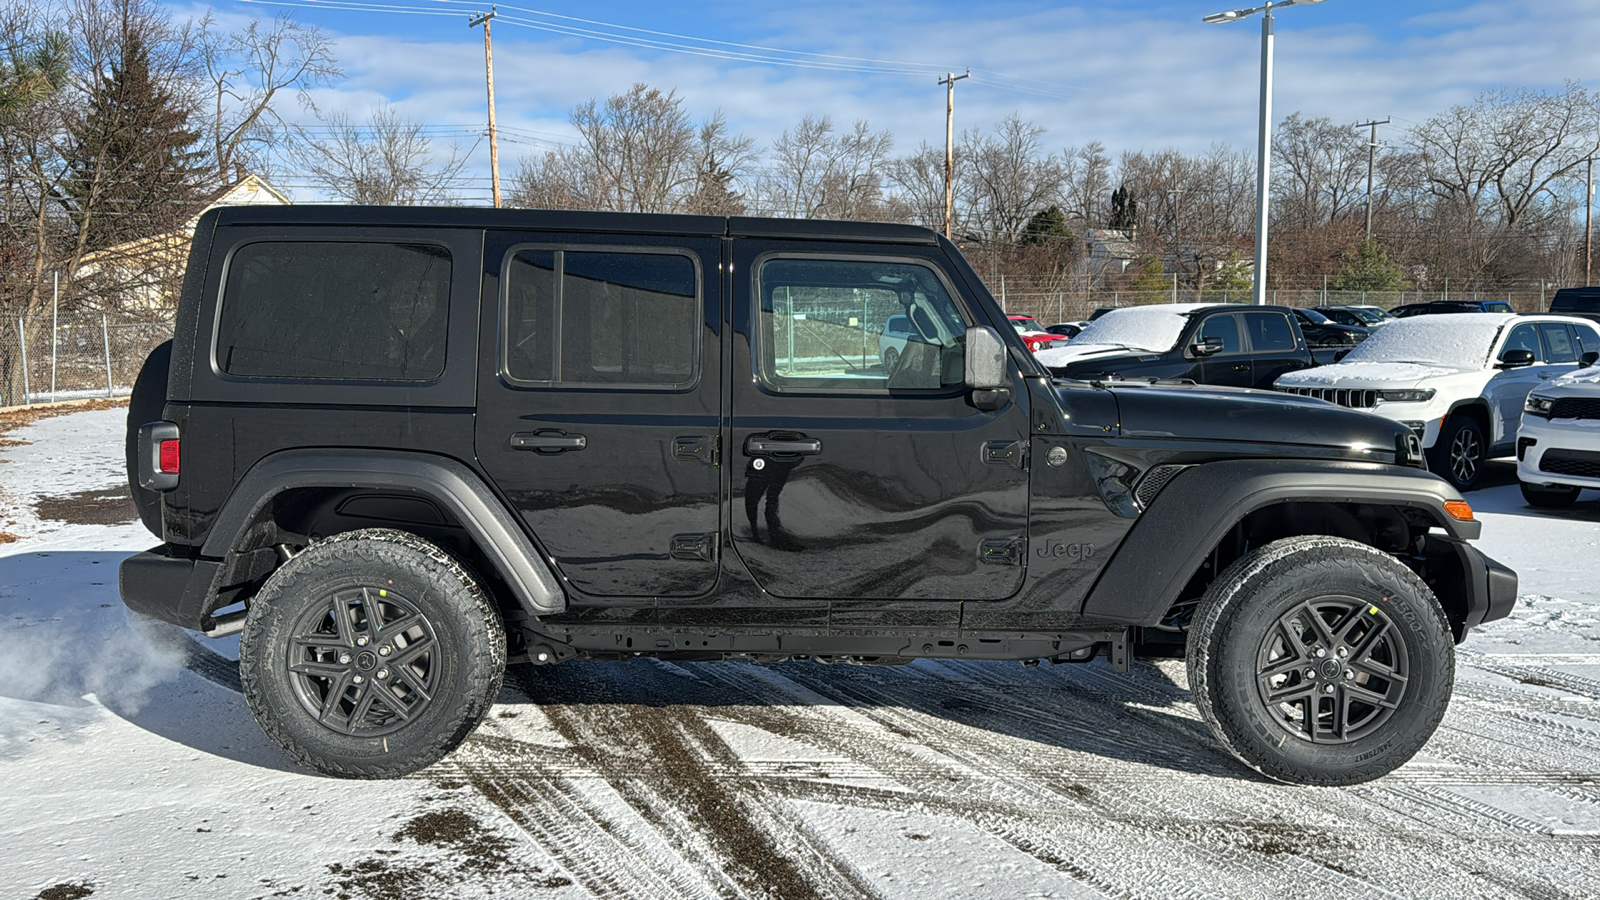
[
  {"x": 397, "y": 448},
  {"x": 1222, "y": 344}
]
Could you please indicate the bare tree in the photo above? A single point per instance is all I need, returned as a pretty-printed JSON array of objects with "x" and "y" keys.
[
  {"x": 246, "y": 72},
  {"x": 1319, "y": 169},
  {"x": 1086, "y": 184},
  {"x": 917, "y": 186},
  {"x": 386, "y": 161},
  {"x": 818, "y": 174},
  {"x": 1008, "y": 178},
  {"x": 723, "y": 161}
]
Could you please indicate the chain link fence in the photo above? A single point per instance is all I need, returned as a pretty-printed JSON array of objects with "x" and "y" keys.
[
  {"x": 74, "y": 355},
  {"x": 1050, "y": 307}
]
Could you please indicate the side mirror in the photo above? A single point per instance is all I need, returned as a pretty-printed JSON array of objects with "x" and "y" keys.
[
  {"x": 986, "y": 360},
  {"x": 1588, "y": 359},
  {"x": 1515, "y": 359},
  {"x": 1208, "y": 346}
]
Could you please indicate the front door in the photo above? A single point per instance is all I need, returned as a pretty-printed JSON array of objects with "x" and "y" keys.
[
  {"x": 1229, "y": 366},
  {"x": 852, "y": 479},
  {"x": 1508, "y": 389},
  {"x": 598, "y": 406}
]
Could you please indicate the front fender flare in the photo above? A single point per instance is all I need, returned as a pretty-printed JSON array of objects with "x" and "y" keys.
[
  {"x": 446, "y": 481},
  {"x": 1194, "y": 511}
]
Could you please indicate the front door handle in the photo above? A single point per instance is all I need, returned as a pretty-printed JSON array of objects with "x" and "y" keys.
[
  {"x": 548, "y": 441},
  {"x": 767, "y": 446}
]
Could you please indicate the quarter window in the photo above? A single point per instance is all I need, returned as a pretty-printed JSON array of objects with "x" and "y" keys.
[
  {"x": 857, "y": 325},
  {"x": 626, "y": 318},
  {"x": 349, "y": 311}
]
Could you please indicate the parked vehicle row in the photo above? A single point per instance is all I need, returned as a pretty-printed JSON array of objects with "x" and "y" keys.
[{"x": 1558, "y": 447}]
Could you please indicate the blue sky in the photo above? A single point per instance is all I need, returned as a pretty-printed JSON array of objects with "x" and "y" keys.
[{"x": 1132, "y": 75}]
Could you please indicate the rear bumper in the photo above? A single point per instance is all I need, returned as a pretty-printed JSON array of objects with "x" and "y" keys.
[{"x": 170, "y": 588}]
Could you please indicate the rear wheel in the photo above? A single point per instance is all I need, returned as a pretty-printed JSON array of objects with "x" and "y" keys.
[
  {"x": 371, "y": 654},
  {"x": 891, "y": 360},
  {"x": 1550, "y": 496},
  {"x": 1459, "y": 454},
  {"x": 1319, "y": 660}
]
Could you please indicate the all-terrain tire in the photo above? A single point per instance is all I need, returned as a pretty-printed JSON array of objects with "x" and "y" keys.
[
  {"x": 1555, "y": 496},
  {"x": 421, "y": 637},
  {"x": 1459, "y": 453},
  {"x": 145, "y": 405},
  {"x": 1392, "y": 623}
]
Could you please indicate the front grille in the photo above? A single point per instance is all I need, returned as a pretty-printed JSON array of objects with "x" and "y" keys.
[
  {"x": 1581, "y": 463},
  {"x": 1354, "y": 399},
  {"x": 1576, "y": 408}
]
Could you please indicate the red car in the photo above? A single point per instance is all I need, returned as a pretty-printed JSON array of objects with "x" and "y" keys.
[{"x": 1034, "y": 334}]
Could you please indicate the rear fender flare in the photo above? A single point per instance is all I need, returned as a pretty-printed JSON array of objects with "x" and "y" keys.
[{"x": 445, "y": 481}]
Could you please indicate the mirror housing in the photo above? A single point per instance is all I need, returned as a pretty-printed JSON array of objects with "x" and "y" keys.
[
  {"x": 1588, "y": 359},
  {"x": 1206, "y": 346},
  {"x": 1515, "y": 359},
  {"x": 986, "y": 360}
]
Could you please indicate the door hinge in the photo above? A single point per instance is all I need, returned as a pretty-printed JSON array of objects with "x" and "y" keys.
[
  {"x": 695, "y": 547},
  {"x": 697, "y": 447},
  {"x": 1002, "y": 551}
]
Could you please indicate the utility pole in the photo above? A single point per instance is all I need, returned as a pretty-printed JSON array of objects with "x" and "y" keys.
[
  {"x": 1588, "y": 229},
  {"x": 1372, "y": 151},
  {"x": 488, "y": 66},
  {"x": 949, "y": 81}
]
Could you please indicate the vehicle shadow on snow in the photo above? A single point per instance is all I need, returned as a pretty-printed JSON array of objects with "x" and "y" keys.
[
  {"x": 66, "y": 640},
  {"x": 1141, "y": 717},
  {"x": 1497, "y": 491}
]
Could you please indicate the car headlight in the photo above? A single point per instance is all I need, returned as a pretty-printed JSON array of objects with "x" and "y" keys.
[
  {"x": 1407, "y": 396},
  {"x": 1538, "y": 406}
]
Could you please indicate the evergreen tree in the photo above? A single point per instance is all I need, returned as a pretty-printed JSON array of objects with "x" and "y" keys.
[
  {"x": 135, "y": 169},
  {"x": 1045, "y": 227},
  {"x": 1368, "y": 269},
  {"x": 1124, "y": 210}
]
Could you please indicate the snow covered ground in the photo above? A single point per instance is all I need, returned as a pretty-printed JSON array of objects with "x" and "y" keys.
[{"x": 130, "y": 767}]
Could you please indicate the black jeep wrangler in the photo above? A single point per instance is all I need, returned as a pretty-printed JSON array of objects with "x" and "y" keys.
[{"x": 400, "y": 448}]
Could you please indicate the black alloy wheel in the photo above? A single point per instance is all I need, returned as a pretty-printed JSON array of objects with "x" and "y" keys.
[
  {"x": 1459, "y": 453},
  {"x": 1332, "y": 670},
  {"x": 363, "y": 661},
  {"x": 891, "y": 360}
]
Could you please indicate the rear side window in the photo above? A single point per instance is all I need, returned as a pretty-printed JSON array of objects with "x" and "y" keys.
[
  {"x": 1269, "y": 332},
  {"x": 624, "y": 318},
  {"x": 347, "y": 311},
  {"x": 1557, "y": 343},
  {"x": 1576, "y": 301},
  {"x": 1588, "y": 339}
]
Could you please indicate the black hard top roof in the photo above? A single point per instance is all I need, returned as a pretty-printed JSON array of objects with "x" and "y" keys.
[{"x": 567, "y": 220}]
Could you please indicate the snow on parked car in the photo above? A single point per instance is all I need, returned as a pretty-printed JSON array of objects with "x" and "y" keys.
[
  {"x": 1558, "y": 446},
  {"x": 1153, "y": 329},
  {"x": 1458, "y": 380}
]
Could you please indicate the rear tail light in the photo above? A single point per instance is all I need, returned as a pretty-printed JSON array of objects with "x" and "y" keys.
[{"x": 169, "y": 458}]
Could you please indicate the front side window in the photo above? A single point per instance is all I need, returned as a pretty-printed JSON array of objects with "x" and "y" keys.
[
  {"x": 1224, "y": 328},
  {"x": 1522, "y": 337},
  {"x": 854, "y": 325},
  {"x": 335, "y": 310},
  {"x": 1269, "y": 332},
  {"x": 621, "y": 318}
]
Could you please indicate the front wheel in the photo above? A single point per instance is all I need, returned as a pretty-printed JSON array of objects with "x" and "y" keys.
[
  {"x": 371, "y": 654},
  {"x": 1322, "y": 661},
  {"x": 1459, "y": 453}
]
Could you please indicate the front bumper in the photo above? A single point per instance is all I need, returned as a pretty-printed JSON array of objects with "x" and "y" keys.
[
  {"x": 1488, "y": 590},
  {"x": 173, "y": 589},
  {"x": 1573, "y": 441}
]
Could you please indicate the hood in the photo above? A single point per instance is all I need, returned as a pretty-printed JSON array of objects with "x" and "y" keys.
[
  {"x": 1210, "y": 413},
  {"x": 1368, "y": 375},
  {"x": 1067, "y": 354}
]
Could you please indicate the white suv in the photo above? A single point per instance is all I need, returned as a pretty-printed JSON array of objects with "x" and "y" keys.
[
  {"x": 1558, "y": 448},
  {"x": 1459, "y": 380}
]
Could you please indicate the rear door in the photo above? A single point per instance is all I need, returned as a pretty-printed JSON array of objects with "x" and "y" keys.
[
  {"x": 852, "y": 482},
  {"x": 598, "y": 407},
  {"x": 1274, "y": 346}
]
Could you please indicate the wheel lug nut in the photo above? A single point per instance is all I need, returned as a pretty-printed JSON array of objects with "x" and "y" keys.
[
  {"x": 1311, "y": 673},
  {"x": 344, "y": 658},
  {"x": 1321, "y": 652},
  {"x": 384, "y": 650},
  {"x": 362, "y": 641},
  {"x": 358, "y": 680},
  {"x": 1343, "y": 652},
  {"x": 383, "y": 673},
  {"x": 1349, "y": 674},
  {"x": 1327, "y": 689}
]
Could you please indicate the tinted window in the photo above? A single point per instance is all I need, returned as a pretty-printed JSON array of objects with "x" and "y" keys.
[
  {"x": 335, "y": 310},
  {"x": 1522, "y": 337},
  {"x": 1588, "y": 339},
  {"x": 1269, "y": 332},
  {"x": 1557, "y": 343},
  {"x": 1498, "y": 306},
  {"x": 1575, "y": 301},
  {"x": 827, "y": 324},
  {"x": 1225, "y": 328},
  {"x": 619, "y": 318}
]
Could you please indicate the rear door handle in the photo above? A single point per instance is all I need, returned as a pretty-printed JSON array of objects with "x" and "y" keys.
[
  {"x": 548, "y": 441},
  {"x": 764, "y": 446}
]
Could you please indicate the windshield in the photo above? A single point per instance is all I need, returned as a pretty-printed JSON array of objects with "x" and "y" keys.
[
  {"x": 1023, "y": 326},
  {"x": 1369, "y": 315},
  {"x": 1455, "y": 340},
  {"x": 1154, "y": 328},
  {"x": 1314, "y": 316}
]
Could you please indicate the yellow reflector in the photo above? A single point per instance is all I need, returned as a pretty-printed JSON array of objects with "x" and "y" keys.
[
  {"x": 1372, "y": 610},
  {"x": 1458, "y": 509}
]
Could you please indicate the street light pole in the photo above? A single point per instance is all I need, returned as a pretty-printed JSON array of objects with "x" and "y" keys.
[{"x": 1264, "y": 145}]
